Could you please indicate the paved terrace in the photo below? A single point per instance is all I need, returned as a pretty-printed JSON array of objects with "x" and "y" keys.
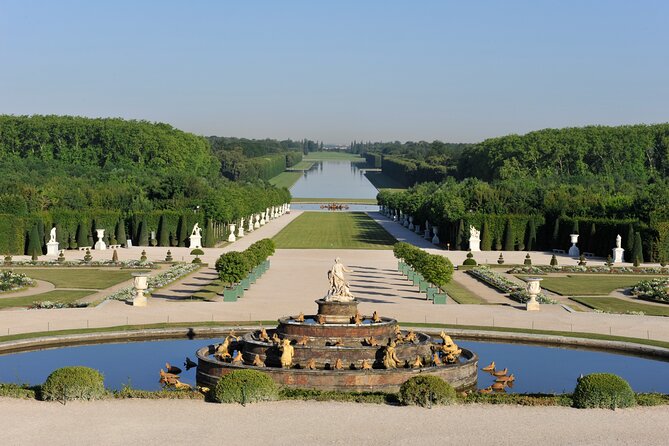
[{"x": 298, "y": 277}]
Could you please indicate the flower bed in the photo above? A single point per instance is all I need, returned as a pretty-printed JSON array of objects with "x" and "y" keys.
[
  {"x": 655, "y": 290},
  {"x": 125, "y": 264},
  {"x": 600, "y": 269},
  {"x": 497, "y": 281},
  {"x": 175, "y": 272},
  {"x": 11, "y": 281},
  {"x": 48, "y": 305}
]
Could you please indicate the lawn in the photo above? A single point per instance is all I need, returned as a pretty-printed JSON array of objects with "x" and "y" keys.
[
  {"x": 327, "y": 155},
  {"x": 382, "y": 181},
  {"x": 462, "y": 295},
  {"x": 302, "y": 165},
  {"x": 615, "y": 305},
  {"x": 92, "y": 279},
  {"x": 208, "y": 292},
  {"x": 64, "y": 296},
  {"x": 588, "y": 285},
  {"x": 334, "y": 200},
  {"x": 286, "y": 179},
  {"x": 324, "y": 230}
]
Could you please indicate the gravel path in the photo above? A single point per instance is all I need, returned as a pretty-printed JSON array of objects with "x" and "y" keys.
[{"x": 153, "y": 422}]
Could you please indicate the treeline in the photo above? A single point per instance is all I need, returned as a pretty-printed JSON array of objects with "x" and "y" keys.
[
  {"x": 77, "y": 173},
  {"x": 527, "y": 221}
]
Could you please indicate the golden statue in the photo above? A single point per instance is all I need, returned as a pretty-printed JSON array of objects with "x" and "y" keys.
[
  {"x": 258, "y": 362},
  {"x": 376, "y": 318},
  {"x": 410, "y": 337},
  {"x": 418, "y": 362},
  {"x": 311, "y": 364},
  {"x": 238, "y": 359},
  {"x": 338, "y": 364},
  {"x": 263, "y": 335},
  {"x": 172, "y": 380},
  {"x": 357, "y": 319},
  {"x": 499, "y": 372},
  {"x": 435, "y": 359},
  {"x": 300, "y": 317},
  {"x": 365, "y": 365},
  {"x": 223, "y": 350},
  {"x": 489, "y": 368},
  {"x": 390, "y": 359},
  {"x": 449, "y": 348},
  {"x": 498, "y": 387},
  {"x": 371, "y": 341},
  {"x": 276, "y": 340},
  {"x": 233, "y": 336},
  {"x": 320, "y": 319},
  {"x": 287, "y": 353},
  {"x": 302, "y": 341}
]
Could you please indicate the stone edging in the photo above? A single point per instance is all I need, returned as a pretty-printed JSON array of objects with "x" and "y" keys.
[{"x": 480, "y": 335}]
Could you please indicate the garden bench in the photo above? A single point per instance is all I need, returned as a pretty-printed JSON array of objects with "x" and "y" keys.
[{"x": 558, "y": 251}]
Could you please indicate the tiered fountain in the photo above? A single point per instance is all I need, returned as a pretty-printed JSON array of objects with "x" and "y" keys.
[{"x": 339, "y": 349}]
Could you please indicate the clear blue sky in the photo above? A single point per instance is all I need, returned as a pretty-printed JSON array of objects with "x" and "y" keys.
[{"x": 340, "y": 70}]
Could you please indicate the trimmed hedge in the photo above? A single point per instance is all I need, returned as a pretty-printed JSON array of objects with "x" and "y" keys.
[
  {"x": 245, "y": 386},
  {"x": 603, "y": 390},
  {"x": 73, "y": 383},
  {"x": 436, "y": 269},
  {"x": 426, "y": 391}
]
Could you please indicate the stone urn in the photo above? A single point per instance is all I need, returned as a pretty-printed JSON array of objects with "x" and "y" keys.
[
  {"x": 435, "y": 239},
  {"x": 533, "y": 289},
  {"x": 574, "y": 251},
  {"x": 141, "y": 283},
  {"x": 231, "y": 237},
  {"x": 100, "y": 244}
]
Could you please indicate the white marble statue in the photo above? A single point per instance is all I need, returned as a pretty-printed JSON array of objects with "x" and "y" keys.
[
  {"x": 52, "y": 244},
  {"x": 339, "y": 290},
  {"x": 474, "y": 239},
  {"x": 195, "y": 238},
  {"x": 196, "y": 230},
  {"x": 52, "y": 235},
  {"x": 618, "y": 251}
]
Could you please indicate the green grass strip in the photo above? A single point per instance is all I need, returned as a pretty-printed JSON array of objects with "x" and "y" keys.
[
  {"x": 334, "y": 200},
  {"x": 63, "y": 296},
  {"x": 92, "y": 279},
  {"x": 328, "y": 155},
  {"x": 285, "y": 179},
  {"x": 615, "y": 305},
  {"x": 461, "y": 294},
  {"x": 334, "y": 230}
]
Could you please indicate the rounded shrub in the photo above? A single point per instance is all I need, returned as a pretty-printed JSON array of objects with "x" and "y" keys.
[
  {"x": 469, "y": 261},
  {"x": 426, "y": 390},
  {"x": 603, "y": 390},
  {"x": 73, "y": 383},
  {"x": 246, "y": 386}
]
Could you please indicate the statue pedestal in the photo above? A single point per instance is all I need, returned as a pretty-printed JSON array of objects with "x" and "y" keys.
[
  {"x": 532, "y": 304},
  {"x": 140, "y": 301},
  {"x": 52, "y": 249},
  {"x": 574, "y": 251},
  {"x": 474, "y": 244},
  {"x": 336, "y": 312},
  {"x": 618, "y": 255},
  {"x": 100, "y": 245},
  {"x": 195, "y": 241}
]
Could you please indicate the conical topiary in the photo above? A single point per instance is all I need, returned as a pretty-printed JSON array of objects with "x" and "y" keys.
[
  {"x": 34, "y": 247},
  {"x": 531, "y": 238},
  {"x": 182, "y": 232},
  {"x": 168, "y": 257},
  {"x": 61, "y": 257},
  {"x": 500, "y": 260},
  {"x": 508, "y": 236},
  {"x": 120, "y": 233},
  {"x": 209, "y": 238},
  {"x": 115, "y": 257},
  {"x": 88, "y": 257},
  {"x": 528, "y": 260},
  {"x": 637, "y": 251},
  {"x": 163, "y": 233},
  {"x": 554, "y": 261},
  {"x": 629, "y": 242},
  {"x": 143, "y": 234},
  {"x": 486, "y": 236},
  {"x": 581, "y": 260}
]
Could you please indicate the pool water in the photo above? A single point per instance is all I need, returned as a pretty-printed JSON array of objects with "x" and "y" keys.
[{"x": 538, "y": 369}]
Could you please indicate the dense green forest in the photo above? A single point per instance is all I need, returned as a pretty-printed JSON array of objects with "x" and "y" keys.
[
  {"x": 604, "y": 178},
  {"x": 77, "y": 173},
  {"x": 251, "y": 159}
]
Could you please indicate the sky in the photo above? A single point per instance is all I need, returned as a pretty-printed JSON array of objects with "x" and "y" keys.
[{"x": 340, "y": 70}]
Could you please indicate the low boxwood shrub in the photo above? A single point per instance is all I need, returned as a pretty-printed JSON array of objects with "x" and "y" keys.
[
  {"x": 603, "y": 390},
  {"x": 246, "y": 386},
  {"x": 425, "y": 391},
  {"x": 469, "y": 261},
  {"x": 73, "y": 383}
]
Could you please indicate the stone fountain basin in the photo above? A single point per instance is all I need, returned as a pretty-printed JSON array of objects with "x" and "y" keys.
[
  {"x": 288, "y": 327},
  {"x": 327, "y": 355},
  {"x": 461, "y": 376}
]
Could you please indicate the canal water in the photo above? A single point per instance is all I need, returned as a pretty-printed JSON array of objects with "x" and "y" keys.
[
  {"x": 538, "y": 369},
  {"x": 334, "y": 180}
]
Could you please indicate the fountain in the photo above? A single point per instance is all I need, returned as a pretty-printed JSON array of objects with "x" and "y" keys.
[{"x": 339, "y": 349}]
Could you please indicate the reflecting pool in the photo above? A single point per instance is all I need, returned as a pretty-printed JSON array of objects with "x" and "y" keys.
[
  {"x": 334, "y": 179},
  {"x": 536, "y": 368}
]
